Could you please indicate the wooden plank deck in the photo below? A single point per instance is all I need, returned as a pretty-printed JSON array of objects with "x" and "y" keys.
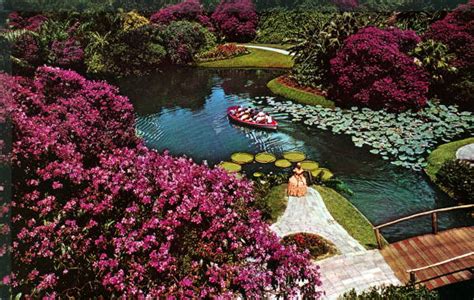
[{"x": 429, "y": 249}]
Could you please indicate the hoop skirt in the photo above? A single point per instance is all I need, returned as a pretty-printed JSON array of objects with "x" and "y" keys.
[{"x": 297, "y": 186}]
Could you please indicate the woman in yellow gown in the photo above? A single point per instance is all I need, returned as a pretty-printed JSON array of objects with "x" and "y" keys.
[{"x": 297, "y": 186}]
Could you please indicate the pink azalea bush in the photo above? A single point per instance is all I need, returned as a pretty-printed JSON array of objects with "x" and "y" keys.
[
  {"x": 97, "y": 213},
  {"x": 372, "y": 69},
  {"x": 189, "y": 10},
  {"x": 236, "y": 20}
]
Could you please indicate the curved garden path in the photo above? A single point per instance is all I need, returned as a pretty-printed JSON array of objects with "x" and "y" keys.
[
  {"x": 356, "y": 268},
  {"x": 281, "y": 51},
  {"x": 309, "y": 214}
]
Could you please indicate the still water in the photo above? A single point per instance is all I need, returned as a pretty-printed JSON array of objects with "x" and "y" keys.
[{"x": 184, "y": 110}]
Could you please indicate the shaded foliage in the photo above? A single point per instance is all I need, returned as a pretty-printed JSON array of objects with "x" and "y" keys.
[{"x": 458, "y": 177}]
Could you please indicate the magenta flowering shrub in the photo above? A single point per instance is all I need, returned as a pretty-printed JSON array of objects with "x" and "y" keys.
[
  {"x": 16, "y": 21},
  {"x": 188, "y": 10},
  {"x": 67, "y": 53},
  {"x": 456, "y": 31},
  {"x": 236, "y": 20},
  {"x": 97, "y": 213},
  {"x": 372, "y": 69}
]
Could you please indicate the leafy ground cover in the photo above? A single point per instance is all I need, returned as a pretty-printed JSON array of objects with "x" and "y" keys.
[
  {"x": 280, "y": 87},
  {"x": 348, "y": 216},
  {"x": 256, "y": 59}
]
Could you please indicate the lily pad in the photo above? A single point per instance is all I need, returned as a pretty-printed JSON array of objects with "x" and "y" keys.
[
  {"x": 283, "y": 163},
  {"x": 230, "y": 166},
  {"x": 265, "y": 158},
  {"x": 326, "y": 175},
  {"x": 309, "y": 165},
  {"x": 258, "y": 174},
  {"x": 315, "y": 173},
  {"x": 294, "y": 156},
  {"x": 242, "y": 158}
]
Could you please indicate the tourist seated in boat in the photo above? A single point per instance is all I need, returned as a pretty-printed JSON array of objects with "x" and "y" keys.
[
  {"x": 260, "y": 117},
  {"x": 297, "y": 186},
  {"x": 245, "y": 117},
  {"x": 269, "y": 119}
]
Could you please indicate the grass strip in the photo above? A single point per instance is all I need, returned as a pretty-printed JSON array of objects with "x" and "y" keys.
[{"x": 297, "y": 95}]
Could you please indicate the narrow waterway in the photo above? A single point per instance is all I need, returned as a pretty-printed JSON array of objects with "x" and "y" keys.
[{"x": 183, "y": 110}]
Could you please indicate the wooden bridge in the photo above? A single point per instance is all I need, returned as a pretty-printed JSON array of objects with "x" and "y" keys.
[{"x": 435, "y": 259}]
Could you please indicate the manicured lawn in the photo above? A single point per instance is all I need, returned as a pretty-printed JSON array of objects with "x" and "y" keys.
[
  {"x": 299, "y": 96},
  {"x": 442, "y": 154},
  {"x": 277, "y": 201},
  {"x": 348, "y": 216},
  {"x": 256, "y": 59}
]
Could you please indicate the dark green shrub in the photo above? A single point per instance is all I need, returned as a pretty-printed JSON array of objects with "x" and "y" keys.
[
  {"x": 392, "y": 292},
  {"x": 458, "y": 177},
  {"x": 319, "y": 43},
  {"x": 183, "y": 40},
  {"x": 280, "y": 26},
  {"x": 262, "y": 187},
  {"x": 122, "y": 53}
]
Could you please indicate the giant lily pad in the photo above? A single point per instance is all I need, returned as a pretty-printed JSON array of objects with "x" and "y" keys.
[
  {"x": 283, "y": 163},
  {"x": 309, "y": 165},
  {"x": 242, "y": 158},
  {"x": 230, "y": 166},
  {"x": 326, "y": 175},
  {"x": 258, "y": 174},
  {"x": 294, "y": 156},
  {"x": 265, "y": 158},
  {"x": 315, "y": 173}
]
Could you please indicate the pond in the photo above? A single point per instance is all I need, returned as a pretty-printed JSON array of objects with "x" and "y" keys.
[{"x": 184, "y": 110}]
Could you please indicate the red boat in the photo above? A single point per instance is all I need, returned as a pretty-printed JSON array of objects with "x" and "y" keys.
[{"x": 273, "y": 125}]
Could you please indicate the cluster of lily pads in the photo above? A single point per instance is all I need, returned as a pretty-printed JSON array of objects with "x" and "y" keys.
[
  {"x": 404, "y": 138},
  {"x": 241, "y": 158}
]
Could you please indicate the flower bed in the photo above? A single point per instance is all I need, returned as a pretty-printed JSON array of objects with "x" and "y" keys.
[
  {"x": 224, "y": 51},
  {"x": 317, "y": 246},
  {"x": 289, "y": 88}
]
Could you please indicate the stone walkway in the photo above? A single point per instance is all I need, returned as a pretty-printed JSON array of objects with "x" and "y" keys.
[
  {"x": 281, "y": 51},
  {"x": 356, "y": 268},
  {"x": 309, "y": 214}
]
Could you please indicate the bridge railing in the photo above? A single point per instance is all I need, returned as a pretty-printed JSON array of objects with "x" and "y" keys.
[
  {"x": 434, "y": 220},
  {"x": 412, "y": 272}
]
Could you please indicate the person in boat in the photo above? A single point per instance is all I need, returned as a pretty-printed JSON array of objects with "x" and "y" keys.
[
  {"x": 297, "y": 185},
  {"x": 260, "y": 117},
  {"x": 245, "y": 117},
  {"x": 269, "y": 119}
]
